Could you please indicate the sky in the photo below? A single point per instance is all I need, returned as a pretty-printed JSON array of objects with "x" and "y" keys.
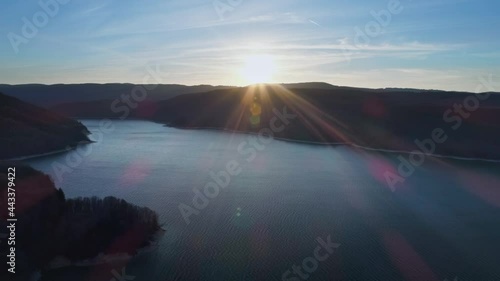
[{"x": 427, "y": 44}]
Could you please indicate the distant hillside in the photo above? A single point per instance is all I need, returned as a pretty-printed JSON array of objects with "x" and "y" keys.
[
  {"x": 90, "y": 94},
  {"x": 390, "y": 119},
  {"x": 50, "y": 95},
  {"x": 309, "y": 85},
  {"x": 103, "y": 107},
  {"x": 28, "y": 129},
  {"x": 381, "y": 119}
]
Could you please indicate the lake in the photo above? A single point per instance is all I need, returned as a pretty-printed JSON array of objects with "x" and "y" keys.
[{"x": 285, "y": 203}]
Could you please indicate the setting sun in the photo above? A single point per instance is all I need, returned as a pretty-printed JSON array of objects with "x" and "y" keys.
[{"x": 258, "y": 69}]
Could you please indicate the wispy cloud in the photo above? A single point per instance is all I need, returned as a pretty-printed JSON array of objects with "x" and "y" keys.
[{"x": 99, "y": 41}]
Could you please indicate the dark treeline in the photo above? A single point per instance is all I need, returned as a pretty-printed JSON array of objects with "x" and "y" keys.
[
  {"x": 49, "y": 225},
  {"x": 49, "y": 95},
  {"x": 27, "y": 130},
  {"x": 391, "y": 119},
  {"x": 92, "y": 225}
]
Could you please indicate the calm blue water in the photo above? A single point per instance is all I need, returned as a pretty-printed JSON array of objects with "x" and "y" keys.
[{"x": 444, "y": 221}]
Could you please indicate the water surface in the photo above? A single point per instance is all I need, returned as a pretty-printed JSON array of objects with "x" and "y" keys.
[{"x": 444, "y": 221}]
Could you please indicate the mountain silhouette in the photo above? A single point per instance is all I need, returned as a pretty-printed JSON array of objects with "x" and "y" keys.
[{"x": 28, "y": 129}]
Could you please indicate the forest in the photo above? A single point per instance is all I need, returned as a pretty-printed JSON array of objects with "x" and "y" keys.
[{"x": 49, "y": 225}]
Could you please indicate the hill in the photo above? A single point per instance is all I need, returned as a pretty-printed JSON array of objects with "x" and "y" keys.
[
  {"x": 382, "y": 119},
  {"x": 29, "y": 130},
  {"x": 388, "y": 119},
  {"x": 50, "y": 95}
]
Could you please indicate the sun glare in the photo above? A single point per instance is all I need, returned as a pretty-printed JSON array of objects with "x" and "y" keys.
[{"x": 258, "y": 69}]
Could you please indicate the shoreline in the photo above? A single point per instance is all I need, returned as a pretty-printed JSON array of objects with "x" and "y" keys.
[
  {"x": 61, "y": 262},
  {"x": 215, "y": 129},
  {"x": 454, "y": 157},
  {"x": 115, "y": 119},
  {"x": 54, "y": 152}
]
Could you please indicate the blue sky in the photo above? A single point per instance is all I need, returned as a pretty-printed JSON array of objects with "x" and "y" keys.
[{"x": 438, "y": 44}]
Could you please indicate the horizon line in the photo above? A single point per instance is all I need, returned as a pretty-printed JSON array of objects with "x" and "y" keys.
[{"x": 244, "y": 86}]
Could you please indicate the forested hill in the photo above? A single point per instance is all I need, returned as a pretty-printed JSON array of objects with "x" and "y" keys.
[
  {"x": 49, "y": 226},
  {"x": 435, "y": 122},
  {"x": 390, "y": 119},
  {"x": 28, "y": 130}
]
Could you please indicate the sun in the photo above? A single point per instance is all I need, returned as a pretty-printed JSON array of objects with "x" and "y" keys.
[{"x": 258, "y": 69}]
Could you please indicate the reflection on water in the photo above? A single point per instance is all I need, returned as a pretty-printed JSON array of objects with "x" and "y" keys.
[{"x": 441, "y": 223}]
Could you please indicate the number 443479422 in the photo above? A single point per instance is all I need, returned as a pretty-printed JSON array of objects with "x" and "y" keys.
[{"x": 11, "y": 192}]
